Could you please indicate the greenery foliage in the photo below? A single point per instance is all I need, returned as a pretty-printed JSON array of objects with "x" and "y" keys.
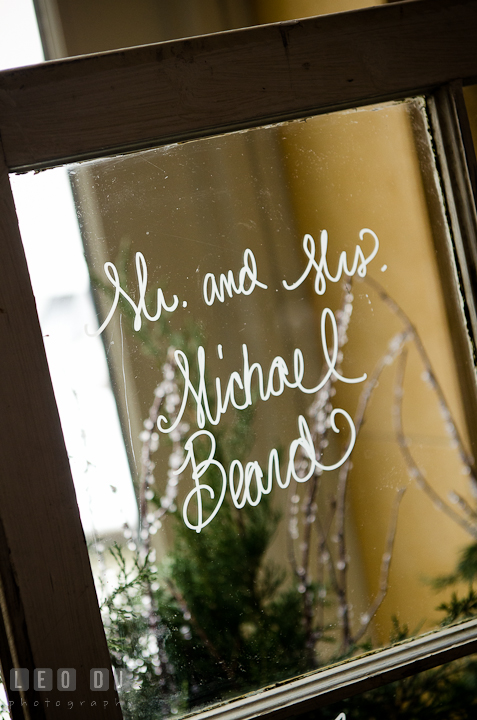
[{"x": 228, "y": 627}]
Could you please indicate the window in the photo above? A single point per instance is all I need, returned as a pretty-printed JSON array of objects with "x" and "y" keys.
[{"x": 190, "y": 90}]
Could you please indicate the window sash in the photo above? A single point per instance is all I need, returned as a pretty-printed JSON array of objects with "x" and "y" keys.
[
  {"x": 125, "y": 100},
  {"x": 90, "y": 106}
]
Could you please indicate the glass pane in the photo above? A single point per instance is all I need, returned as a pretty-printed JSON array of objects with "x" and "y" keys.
[{"x": 289, "y": 370}]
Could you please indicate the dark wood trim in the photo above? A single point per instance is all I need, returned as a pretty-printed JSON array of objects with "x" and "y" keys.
[
  {"x": 456, "y": 158},
  {"x": 124, "y": 100},
  {"x": 50, "y": 610},
  {"x": 468, "y": 152},
  {"x": 15, "y": 650},
  {"x": 454, "y": 232}
]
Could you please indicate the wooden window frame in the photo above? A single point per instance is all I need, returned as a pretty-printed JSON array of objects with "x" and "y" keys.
[{"x": 141, "y": 97}]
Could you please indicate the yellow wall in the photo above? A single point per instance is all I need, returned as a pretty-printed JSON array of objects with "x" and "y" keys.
[{"x": 269, "y": 11}]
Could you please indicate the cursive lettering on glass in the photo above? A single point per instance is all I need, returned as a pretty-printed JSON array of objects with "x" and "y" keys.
[
  {"x": 141, "y": 272},
  {"x": 359, "y": 265},
  {"x": 247, "y": 482},
  {"x": 252, "y": 472},
  {"x": 213, "y": 290},
  {"x": 242, "y": 382}
]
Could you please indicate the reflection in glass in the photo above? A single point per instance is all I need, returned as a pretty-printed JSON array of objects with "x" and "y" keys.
[{"x": 276, "y": 311}]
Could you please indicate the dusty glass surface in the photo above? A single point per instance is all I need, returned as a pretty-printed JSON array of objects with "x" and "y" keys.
[{"x": 273, "y": 307}]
